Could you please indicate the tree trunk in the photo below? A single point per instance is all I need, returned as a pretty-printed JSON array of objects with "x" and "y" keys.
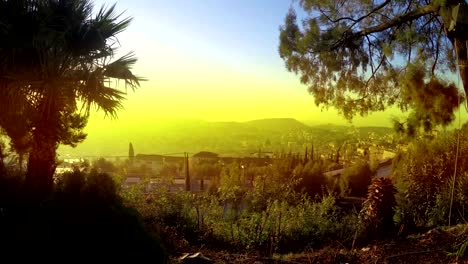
[
  {"x": 462, "y": 60},
  {"x": 202, "y": 183},
  {"x": 2, "y": 164},
  {"x": 20, "y": 162},
  {"x": 41, "y": 164}
]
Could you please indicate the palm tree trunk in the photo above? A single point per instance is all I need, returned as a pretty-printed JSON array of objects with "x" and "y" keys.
[
  {"x": 41, "y": 164},
  {"x": 2, "y": 164}
]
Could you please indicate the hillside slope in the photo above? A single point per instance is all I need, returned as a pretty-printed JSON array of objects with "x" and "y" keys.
[{"x": 229, "y": 138}]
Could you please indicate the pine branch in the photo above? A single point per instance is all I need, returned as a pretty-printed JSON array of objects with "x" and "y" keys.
[{"x": 410, "y": 16}]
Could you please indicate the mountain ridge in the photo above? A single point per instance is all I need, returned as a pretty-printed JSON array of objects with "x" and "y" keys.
[{"x": 193, "y": 135}]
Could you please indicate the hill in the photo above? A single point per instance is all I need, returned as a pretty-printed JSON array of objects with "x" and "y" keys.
[
  {"x": 225, "y": 138},
  {"x": 277, "y": 124}
]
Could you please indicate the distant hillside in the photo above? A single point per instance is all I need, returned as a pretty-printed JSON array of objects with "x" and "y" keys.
[
  {"x": 229, "y": 138},
  {"x": 278, "y": 124}
]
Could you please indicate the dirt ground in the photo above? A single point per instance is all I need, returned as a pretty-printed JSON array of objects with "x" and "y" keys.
[{"x": 435, "y": 246}]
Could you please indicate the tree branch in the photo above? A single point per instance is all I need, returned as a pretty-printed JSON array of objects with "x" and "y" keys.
[
  {"x": 398, "y": 20},
  {"x": 415, "y": 14},
  {"x": 436, "y": 60},
  {"x": 377, "y": 8}
]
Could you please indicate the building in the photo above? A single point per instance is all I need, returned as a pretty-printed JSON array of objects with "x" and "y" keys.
[
  {"x": 262, "y": 154},
  {"x": 153, "y": 163},
  {"x": 205, "y": 156}
]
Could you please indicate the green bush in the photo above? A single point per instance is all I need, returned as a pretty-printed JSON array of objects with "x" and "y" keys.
[
  {"x": 378, "y": 209},
  {"x": 439, "y": 213},
  {"x": 312, "y": 181},
  {"x": 424, "y": 180},
  {"x": 278, "y": 227},
  {"x": 421, "y": 175},
  {"x": 356, "y": 179}
]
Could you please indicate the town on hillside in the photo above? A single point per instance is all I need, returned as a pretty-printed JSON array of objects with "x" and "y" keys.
[{"x": 198, "y": 172}]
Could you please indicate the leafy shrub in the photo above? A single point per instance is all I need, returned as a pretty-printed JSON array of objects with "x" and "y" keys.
[
  {"x": 439, "y": 213},
  {"x": 312, "y": 181},
  {"x": 356, "y": 179},
  {"x": 278, "y": 227},
  {"x": 421, "y": 176},
  {"x": 378, "y": 209},
  {"x": 424, "y": 179}
]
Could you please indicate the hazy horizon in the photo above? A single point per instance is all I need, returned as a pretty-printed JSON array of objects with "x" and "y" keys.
[
  {"x": 216, "y": 62},
  {"x": 177, "y": 135}
]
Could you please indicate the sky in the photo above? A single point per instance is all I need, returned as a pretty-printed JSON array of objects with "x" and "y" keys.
[{"x": 213, "y": 59}]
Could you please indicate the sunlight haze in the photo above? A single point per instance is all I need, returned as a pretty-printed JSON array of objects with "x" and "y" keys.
[{"x": 216, "y": 61}]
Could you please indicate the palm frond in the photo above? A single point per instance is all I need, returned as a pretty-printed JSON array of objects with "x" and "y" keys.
[
  {"x": 104, "y": 98},
  {"x": 59, "y": 54},
  {"x": 120, "y": 69},
  {"x": 107, "y": 23}
]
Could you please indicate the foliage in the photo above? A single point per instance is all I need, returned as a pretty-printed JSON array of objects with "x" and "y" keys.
[
  {"x": 378, "y": 209},
  {"x": 420, "y": 176},
  {"x": 424, "y": 179},
  {"x": 361, "y": 56},
  {"x": 356, "y": 179},
  {"x": 432, "y": 102},
  {"x": 312, "y": 180},
  {"x": 269, "y": 217},
  {"x": 104, "y": 165},
  {"x": 57, "y": 61},
  {"x": 82, "y": 219},
  {"x": 439, "y": 214},
  {"x": 232, "y": 188},
  {"x": 131, "y": 152},
  {"x": 206, "y": 171},
  {"x": 269, "y": 185},
  {"x": 171, "y": 170}
]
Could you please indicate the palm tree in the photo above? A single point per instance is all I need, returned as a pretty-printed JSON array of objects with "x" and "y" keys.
[{"x": 57, "y": 64}]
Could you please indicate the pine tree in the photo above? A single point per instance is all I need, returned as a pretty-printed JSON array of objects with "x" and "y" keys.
[
  {"x": 131, "y": 152},
  {"x": 364, "y": 56}
]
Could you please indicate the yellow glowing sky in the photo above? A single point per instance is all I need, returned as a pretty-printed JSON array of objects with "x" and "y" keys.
[{"x": 214, "y": 60}]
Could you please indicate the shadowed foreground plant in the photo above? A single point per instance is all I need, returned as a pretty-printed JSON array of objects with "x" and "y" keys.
[
  {"x": 377, "y": 212},
  {"x": 83, "y": 220}
]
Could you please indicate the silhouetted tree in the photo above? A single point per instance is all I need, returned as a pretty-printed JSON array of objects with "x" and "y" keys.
[
  {"x": 131, "y": 153},
  {"x": 311, "y": 177},
  {"x": 104, "y": 166},
  {"x": 2, "y": 157},
  {"x": 356, "y": 179},
  {"x": 363, "y": 56},
  {"x": 56, "y": 62}
]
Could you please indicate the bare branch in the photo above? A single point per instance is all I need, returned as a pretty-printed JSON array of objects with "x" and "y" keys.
[{"x": 437, "y": 51}]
